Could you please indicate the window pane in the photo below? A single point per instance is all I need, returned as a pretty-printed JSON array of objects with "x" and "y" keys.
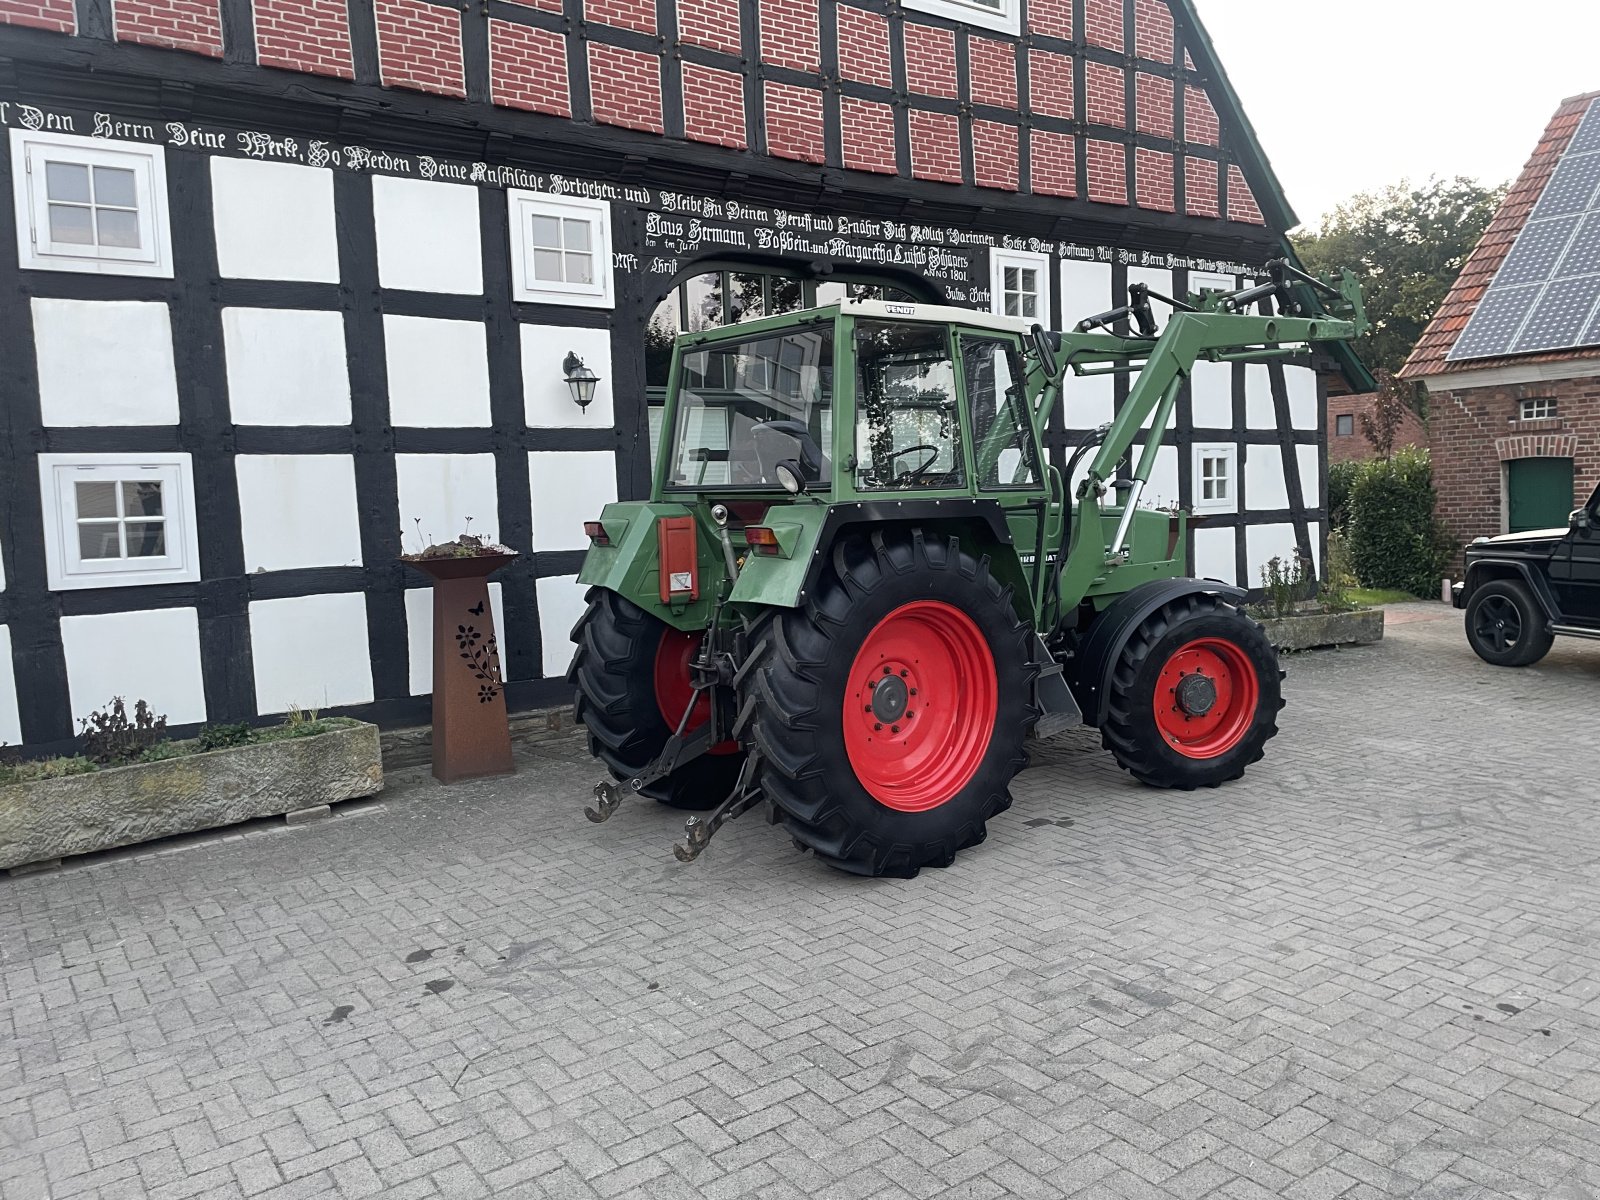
[
  {"x": 785, "y": 295},
  {"x": 1013, "y": 305},
  {"x": 1001, "y": 433},
  {"x": 547, "y": 265},
  {"x": 547, "y": 232},
  {"x": 577, "y": 234},
  {"x": 147, "y": 539},
  {"x": 907, "y": 431},
  {"x": 1012, "y": 282},
  {"x": 99, "y": 540},
  {"x": 1030, "y": 304},
  {"x": 118, "y": 227},
  {"x": 97, "y": 500},
  {"x": 580, "y": 268},
  {"x": 1030, "y": 280},
  {"x": 142, "y": 498},
  {"x": 114, "y": 185},
  {"x": 658, "y": 335},
  {"x": 71, "y": 225},
  {"x": 66, "y": 181},
  {"x": 746, "y": 299},
  {"x": 703, "y": 302}
]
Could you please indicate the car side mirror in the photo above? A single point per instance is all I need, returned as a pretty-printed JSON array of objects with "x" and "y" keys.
[{"x": 1579, "y": 520}]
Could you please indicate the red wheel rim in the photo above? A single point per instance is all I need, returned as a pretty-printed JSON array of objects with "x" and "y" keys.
[
  {"x": 673, "y": 689},
  {"x": 919, "y": 706},
  {"x": 1206, "y": 698}
]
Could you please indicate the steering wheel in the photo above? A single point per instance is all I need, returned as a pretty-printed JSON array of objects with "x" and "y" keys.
[{"x": 916, "y": 472}]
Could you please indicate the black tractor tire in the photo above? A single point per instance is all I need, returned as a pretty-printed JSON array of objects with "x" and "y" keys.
[
  {"x": 614, "y": 673},
  {"x": 1506, "y": 626},
  {"x": 898, "y": 610},
  {"x": 1145, "y": 726}
]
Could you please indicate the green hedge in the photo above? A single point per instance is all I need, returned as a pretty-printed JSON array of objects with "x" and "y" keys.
[
  {"x": 1341, "y": 476},
  {"x": 1395, "y": 541}
]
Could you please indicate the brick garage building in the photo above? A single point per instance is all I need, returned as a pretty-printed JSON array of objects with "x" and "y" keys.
[
  {"x": 1346, "y": 442},
  {"x": 1516, "y": 436},
  {"x": 293, "y": 283}
]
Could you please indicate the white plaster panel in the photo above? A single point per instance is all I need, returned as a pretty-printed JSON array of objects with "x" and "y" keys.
[
  {"x": 1316, "y": 531},
  {"x": 1214, "y": 555},
  {"x": 1210, "y": 281},
  {"x": 105, "y": 362},
  {"x": 10, "y": 719},
  {"x": 298, "y": 510},
  {"x": 427, "y": 235},
  {"x": 286, "y": 366},
  {"x": 1211, "y": 396},
  {"x": 438, "y": 372},
  {"x": 151, "y": 655},
  {"x": 1090, "y": 402},
  {"x": 274, "y": 220},
  {"x": 310, "y": 652},
  {"x": 441, "y": 491},
  {"x": 1264, "y": 484},
  {"x": 1085, "y": 290},
  {"x": 1162, "y": 488},
  {"x": 545, "y": 395},
  {"x": 560, "y": 606},
  {"x": 1265, "y": 542},
  {"x": 1310, "y": 460},
  {"x": 1259, "y": 412},
  {"x": 569, "y": 488},
  {"x": 1302, "y": 388},
  {"x": 419, "y": 634}
]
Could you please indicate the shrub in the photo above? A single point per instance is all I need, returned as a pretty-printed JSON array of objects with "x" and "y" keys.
[
  {"x": 1335, "y": 593},
  {"x": 1284, "y": 582},
  {"x": 224, "y": 737},
  {"x": 110, "y": 739},
  {"x": 1341, "y": 477},
  {"x": 1395, "y": 541}
]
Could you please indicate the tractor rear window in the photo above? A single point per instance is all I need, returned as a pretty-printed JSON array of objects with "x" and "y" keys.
[{"x": 744, "y": 407}]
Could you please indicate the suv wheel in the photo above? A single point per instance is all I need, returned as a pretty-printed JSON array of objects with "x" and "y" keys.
[{"x": 1506, "y": 626}]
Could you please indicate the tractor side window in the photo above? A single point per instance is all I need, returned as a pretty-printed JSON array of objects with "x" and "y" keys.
[
  {"x": 908, "y": 431},
  {"x": 1002, "y": 432}
]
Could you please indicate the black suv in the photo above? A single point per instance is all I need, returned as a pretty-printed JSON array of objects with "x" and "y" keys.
[{"x": 1524, "y": 588}]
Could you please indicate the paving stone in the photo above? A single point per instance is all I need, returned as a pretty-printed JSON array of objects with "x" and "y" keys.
[{"x": 1365, "y": 970}]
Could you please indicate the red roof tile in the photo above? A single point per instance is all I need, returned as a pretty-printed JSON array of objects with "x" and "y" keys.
[{"x": 1429, "y": 356}]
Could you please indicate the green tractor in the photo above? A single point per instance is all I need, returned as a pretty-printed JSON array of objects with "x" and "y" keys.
[{"x": 857, "y": 587}]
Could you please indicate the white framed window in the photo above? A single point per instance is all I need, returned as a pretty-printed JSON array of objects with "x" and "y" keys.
[
  {"x": 1216, "y": 478},
  {"x": 87, "y": 204},
  {"x": 1003, "y": 15},
  {"x": 1019, "y": 285},
  {"x": 118, "y": 520},
  {"x": 560, "y": 250},
  {"x": 1540, "y": 408}
]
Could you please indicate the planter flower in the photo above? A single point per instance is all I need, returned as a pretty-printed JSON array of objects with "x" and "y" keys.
[{"x": 471, "y": 731}]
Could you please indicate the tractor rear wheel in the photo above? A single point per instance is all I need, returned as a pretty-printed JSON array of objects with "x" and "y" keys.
[
  {"x": 1194, "y": 695},
  {"x": 889, "y": 710},
  {"x": 632, "y": 675}
]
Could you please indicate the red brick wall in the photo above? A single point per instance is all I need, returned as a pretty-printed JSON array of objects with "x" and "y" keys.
[
  {"x": 528, "y": 68},
  {"x": 1050, "y": 84},
  {"x": 1108, "y": 97},
  {"x": 930, "y": 60},
  {"x": 935, "y": 146},
  {"x": 1154, "y": 101},
  {"x": 713, "y": 105},
  {"x": 992, "y": 67},
  {"x": 867, "y": 130},
  {"x": 1152, "y": 27},
  {"x": 1242, "y": 206},
  {"x": 863, "y": 46},
  {"x": 1470, "y": 428},
  {"x": 624, "y": 14},
  {"x": 789, "y": 36},
  {"x": 994, "y": 155},
  {"x": 305, "y": 35},
  {"x": 794, "y": 122},
  {"x": 1052, "y": 162},
  {"x": 1108, "y": 177},
  {"x": 1354, "y": 445},
  {"x": 419, "y": 46},
  {"x": 1200, "y": 188},
  {"x": 55, "y": 15},
  {"x": 193, "y": 25},
  {"x": 1200, "y": 124},
  {"x": 625, "y": 87},
  {"x": 713, "y": 23},
  {"x": 1102, "y": 23},
  {"x": 1053, "y": 18},
  {"x": 1152, "y": 180}
]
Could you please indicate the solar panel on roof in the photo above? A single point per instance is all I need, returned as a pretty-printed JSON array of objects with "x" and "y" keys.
[{"x": 1546, "y": 295}]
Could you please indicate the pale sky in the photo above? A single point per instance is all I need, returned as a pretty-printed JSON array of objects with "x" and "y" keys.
[{"x": 1351, "y": 96}]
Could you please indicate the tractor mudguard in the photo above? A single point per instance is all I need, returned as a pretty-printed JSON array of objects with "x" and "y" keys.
[
  {"x": 631, "y": 564},
  {"x": 807, "y": 533},
  {"x": 1484, "y": 570},
  {"x": 1112, "y": 629}
]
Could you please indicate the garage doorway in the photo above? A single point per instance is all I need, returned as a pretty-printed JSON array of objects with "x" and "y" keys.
[{"x": 1538, "y": 493}]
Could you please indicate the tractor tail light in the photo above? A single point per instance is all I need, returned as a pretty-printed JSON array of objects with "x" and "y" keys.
[
  {"x": 680, "y": 559},
  {"x": 761, "y": 539},
  {"x": 597, "y": 533}
]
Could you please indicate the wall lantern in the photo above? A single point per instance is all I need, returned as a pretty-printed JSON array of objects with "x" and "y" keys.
[{"x": 581, "y": 381}]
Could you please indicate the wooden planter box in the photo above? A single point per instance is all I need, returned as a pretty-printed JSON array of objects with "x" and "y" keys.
[
  {"x": 1309, "y": 631},
  {"x": 49, "y": 819}
]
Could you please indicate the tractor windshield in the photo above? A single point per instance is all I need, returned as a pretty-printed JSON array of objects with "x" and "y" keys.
[{"x": 744, "y": 407}]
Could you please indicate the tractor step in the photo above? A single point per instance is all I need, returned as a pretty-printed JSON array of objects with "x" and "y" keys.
[{"x": 1058, "y": 708}]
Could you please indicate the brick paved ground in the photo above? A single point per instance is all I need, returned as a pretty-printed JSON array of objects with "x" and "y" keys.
[{"x": 1369, "y": 970}]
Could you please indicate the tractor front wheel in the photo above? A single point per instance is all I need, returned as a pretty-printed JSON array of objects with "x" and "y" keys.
[
  {"x": 890, "y": 710},
  {"x": 632, "y": 675},
  {"x": 1194, "y": 695}
]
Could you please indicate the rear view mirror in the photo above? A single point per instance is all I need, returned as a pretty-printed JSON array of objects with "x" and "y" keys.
[{"x": 1579, "y": 519}]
